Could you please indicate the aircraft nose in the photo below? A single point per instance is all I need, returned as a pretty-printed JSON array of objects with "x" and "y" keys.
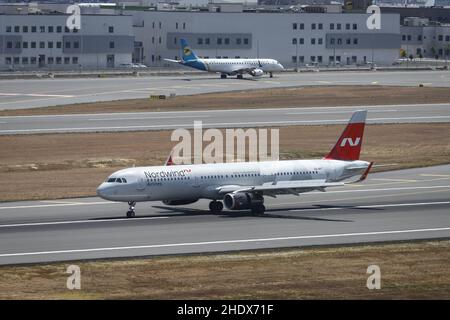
[{"x": 101, "y": 191}]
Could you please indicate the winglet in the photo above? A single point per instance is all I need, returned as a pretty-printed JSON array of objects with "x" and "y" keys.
[{"x": 364, "y": 175}]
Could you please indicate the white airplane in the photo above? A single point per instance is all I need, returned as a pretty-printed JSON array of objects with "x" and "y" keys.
[
  {"x": 227, "y": 67},
  {"x": 241, "y": 185}
]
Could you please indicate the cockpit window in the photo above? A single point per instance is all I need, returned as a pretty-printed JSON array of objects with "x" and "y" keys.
[
  {"x": 124, "y": 180},
  {"x": 112, "y": 180},
  {"x": 119, "y": 180}
]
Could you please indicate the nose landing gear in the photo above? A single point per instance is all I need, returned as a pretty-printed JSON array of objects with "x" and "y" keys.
[{"x": 131, "y": 213}]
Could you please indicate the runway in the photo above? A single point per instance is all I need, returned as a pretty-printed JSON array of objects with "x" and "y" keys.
[
  {"x": 18, "y": 94},
  {"x": 397, "y": 205},
  {"x": 419, "y": 113}
]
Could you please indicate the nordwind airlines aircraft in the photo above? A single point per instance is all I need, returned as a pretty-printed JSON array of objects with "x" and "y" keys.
[
  {"x": 227, "y": 67},
  {"x": 241, "y": 185}
]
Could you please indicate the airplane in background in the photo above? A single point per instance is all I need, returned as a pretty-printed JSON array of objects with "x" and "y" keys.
[
  {"x": 241, "y": 185},
  {"x": 227, "y": 67}
]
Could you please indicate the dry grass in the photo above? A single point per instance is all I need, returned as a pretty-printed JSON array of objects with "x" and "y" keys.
[
  {"x": 73, "y": 165},
  {"x": 260, "y": 98},
  {"x": 408, "y": 271}
]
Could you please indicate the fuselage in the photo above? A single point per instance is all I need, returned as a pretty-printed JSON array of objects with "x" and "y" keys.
[
  {"x": 191, "y": 182},
  {"x": 231, "y": 66}
]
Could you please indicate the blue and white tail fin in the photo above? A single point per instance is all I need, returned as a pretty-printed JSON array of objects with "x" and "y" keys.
[{"x": 188, "y": 54}]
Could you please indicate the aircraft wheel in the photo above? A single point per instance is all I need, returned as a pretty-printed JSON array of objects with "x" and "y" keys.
[
  {"x": 216, "y": 206},
  {"x": 271, "y": 75},
  {"x": 223, "y": 76},
  {"x": 130, "y": 214},
  {"x": 258, "y": 209},
  {"x": 240, "y": 76}
]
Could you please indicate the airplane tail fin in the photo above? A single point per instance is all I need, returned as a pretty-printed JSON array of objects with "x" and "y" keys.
[
  {"x": 348, "y": 147},
  {"x": 188, "y": 54}
]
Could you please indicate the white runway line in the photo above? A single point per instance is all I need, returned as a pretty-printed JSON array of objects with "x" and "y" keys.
[
  {"x": 36, "y": 95},
  {"x": 143, "y": 118},
  {"x": 220, "y": 242},
  {"x": 374, "y": 206}
]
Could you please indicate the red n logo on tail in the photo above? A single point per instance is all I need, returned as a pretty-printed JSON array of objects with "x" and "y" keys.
[{"x": 348, "y": 147}]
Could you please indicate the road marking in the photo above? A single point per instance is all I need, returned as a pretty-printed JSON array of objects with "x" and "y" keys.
[
  {"x": 435, "y": 175},
  {"x": 334, "y": 112},
  {"x": 207, "y": 243},
  {"x": 395, "y": 180},
  {"x": 37, "y": 95},
  {"x": 217, "y": 125},
  {"x": 33, "y": 224},
  {"x": 374, "y": 206},
  {"x": 311, "y": 193},
  {"x": 143, "y": 118}
]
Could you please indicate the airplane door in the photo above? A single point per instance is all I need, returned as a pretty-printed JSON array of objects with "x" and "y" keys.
[{"x": 141, "y": 184}]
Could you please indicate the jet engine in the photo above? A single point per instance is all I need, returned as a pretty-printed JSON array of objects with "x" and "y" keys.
[
  {"x": 257, "y": 72},
  {"x": 242, "y": 200},
  {"x": 179, "y": 202}
]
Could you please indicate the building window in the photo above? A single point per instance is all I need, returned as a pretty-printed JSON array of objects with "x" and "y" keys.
[
  {"x": 76, "y": 45},
  {"x": 33, "y": 45},
  {"x": 301, "y": 59},
  {"x": 160, "y": 25},
  {"x": 320, "y": 41},
  {"x": 313, "y": 26},
  {"x": 176, "y": 25},
  {"x": 238, "y": 41},
  {"x": 58, "y": 44},
  {"x": 302, "y": 26},
  {"x": 66, "y": 30},
  {"x": 58, "y": 60},
  {"x": 184, "y": 25},
  {"x": 9, "y": 45},
  {"x": 294, "y": 26},
  {"x": 355, "y": 26},
  {"x": 320, "y": 26},
  {"x": 8, "y": 60},
  {"x": 313, "y": 40},
  {"x": 313, "y": 58},
  {"x": 50, "y": 29},
  {"x": 25, "y": 29},
  {"x": 294, "y": 59},
  {"x": 111, "y": 29},
  {"x": 66, "y": 60},
  {"x": 331, "y": 26},
  {"x": 8, "y": 29},
  {"x": 33, "y": 29},
  {"x": 294, "y": 41},
  {"x": 18, "y": 45},
  {"x": 25, "y": 45},
  {"x": 332, "y": 41},
  {"x": 302, "y": 40},
  {"x": 153, "y": 25},
  {"x": 227, "y": 41},
  {"x": 339, "y": 41},
  {"x": 42, "y": 45},
  {"x": 58, "y": 29},
  {"x": 409, "y": 37},
  {"x": 111, "y": 44},
  {"x": 50, "y": 45},
  {"x": 75, "y": 60},
  {"x": 16, "y": 60},
  {"x": 404, "y": 37},
  {"x": 219, "y": 41},
  {"x": 16, "y": 29},
  {"x": 347, "y": 26},
  {"x": 67, "y": 45},
  {"x": 159, "y": 40},
  {"x": 447, "y": 38},
  {"x": 246, "y": 41},
  {"x": 440, "y": 37},
  {"x": 355, "y": 41},
  {"x": 24, "y": 60},
  {"x": 338, "y": 26},
  {"x": 33, "y": 60},
  {"x": 50, "y": 60},
  {"x": 153, "y": 39},
  {"x": 319, "y": 59},
  {"x": 348, "y": 41},
  {"x": 207, "y": 41},
  {"x": 42, "y": 29},
  {"x": 200, "y": 41}
]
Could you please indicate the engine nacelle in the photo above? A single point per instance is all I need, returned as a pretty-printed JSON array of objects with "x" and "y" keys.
[
  {"x": 241, "y": 200},
  {"x": 178, "y": 202},
  {"x": 257, "y": 72}
]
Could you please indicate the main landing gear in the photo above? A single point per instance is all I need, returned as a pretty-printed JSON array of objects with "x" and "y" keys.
[
  {"x": 258, "y": 208},
  {"x": 215, "y": 206},
  {"x": 223, "y": 76},
  {"x": 130, "y": 212},
  {"x": 240, "y": 76},
  {"x": 271, "y": 74}
]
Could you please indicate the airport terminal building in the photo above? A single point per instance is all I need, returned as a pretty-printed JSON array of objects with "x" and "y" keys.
[
  {"x": 294, "y": 39},
  {"x": 42, "y": 41},
  {"x": 115, "y": 36}
]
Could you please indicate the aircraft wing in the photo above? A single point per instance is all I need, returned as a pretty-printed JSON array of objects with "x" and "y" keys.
[
  {"x": 281, "y": 187},
  {"x": 175, "y": 61}
]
